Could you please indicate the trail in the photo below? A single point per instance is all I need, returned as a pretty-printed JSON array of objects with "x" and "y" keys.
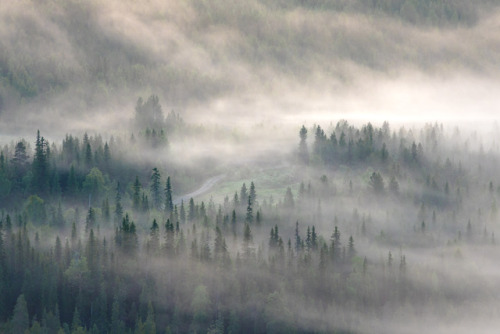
[{"x": 203, "y": 189}]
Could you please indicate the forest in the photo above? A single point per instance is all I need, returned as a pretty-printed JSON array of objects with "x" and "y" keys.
[
  {"x": 249, "y": 166},
  {"x": 373, "y": 226}
]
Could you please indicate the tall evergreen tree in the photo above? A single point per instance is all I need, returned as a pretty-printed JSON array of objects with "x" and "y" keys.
[
  {"x": 243, "y": 195},
  {"x": 252, "y": 195},
  {"x": 169, "y": 205},
  {"x": 20, "y": 319},
  {"x": 191, "y": 210},
  {"x": 303, "y": 152},
  {"x": 249, "y": 215},
  {"x": 118, "y": 205},
  {"x": 183, "y": 213},
  {"x": 136, "y": 196},
  {"x": 155, "y": 188},
  {"x": 40, "y": 165},
  {"x": 154, "y": 238}
]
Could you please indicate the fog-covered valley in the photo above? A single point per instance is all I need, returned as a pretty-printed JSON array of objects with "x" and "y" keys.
[{"x": 249, "y": 166}]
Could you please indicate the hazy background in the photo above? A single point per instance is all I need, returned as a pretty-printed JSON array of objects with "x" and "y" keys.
[{"x": 87, "y": 62}]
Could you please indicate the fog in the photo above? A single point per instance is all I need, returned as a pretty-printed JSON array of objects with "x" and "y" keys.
[
  {"x": 369, "y": 131},
  {"x": 89, "y": 61}
]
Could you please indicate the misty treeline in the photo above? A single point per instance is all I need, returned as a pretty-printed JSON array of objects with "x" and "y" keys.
[
  {"x": 95, "y": 242},
  {"x": 76, "y": 55}
]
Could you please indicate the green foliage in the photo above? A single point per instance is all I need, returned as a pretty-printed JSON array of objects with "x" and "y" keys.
[
  {"x": 20, "y": 319},
  {"x": 155, "y": 188},
  {"x": 94, "y": 185},
  {"x": 35, "y": 209}
]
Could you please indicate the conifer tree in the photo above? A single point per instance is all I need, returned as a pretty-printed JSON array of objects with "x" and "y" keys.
[
  {"x": 40, "y": 165},
  {"x": 182, "y": 213},
  {"x": 247, "y": 240},
  {"x": 118, "y": 205},
  {"x": 253, "y": 194},
  {"x": 243, "y": 195},
  {"x": 169, "y": 205},
  {"x": 233, "y": 223},
  {"x": 136, "y": 196},
  {"x": 154, "y": 238},
  {"x": 155, "y": 188},
  {"x": 90, "y": 220},
  {"x": 303, "y": 152},
  {"x": 20, "y": 318},
  {"x": 191, "y": 210},
  {"x": 249, "y": 215}
]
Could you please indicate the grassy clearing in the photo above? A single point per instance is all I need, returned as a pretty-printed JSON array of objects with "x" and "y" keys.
[{"x": 268, "y": 182}]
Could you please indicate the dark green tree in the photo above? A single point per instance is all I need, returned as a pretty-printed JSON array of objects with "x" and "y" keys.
[
  {"x": 249, "y": 215},
  {"x": 91, "y": 219},
  {"x": 20, "y": 318},
  {"x": 154, "y": 238},
  {"x": 40, "y": 165},
  {"x": 155, "y": 188},
  {"x": 169, "y": 205}
]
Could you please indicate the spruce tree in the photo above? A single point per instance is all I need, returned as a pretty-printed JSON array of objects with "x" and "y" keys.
[
  {"x": 155, "y": 188},
  {"x": 249, "y": 215},
  {"x": 20, "y": 319},
  {"x": 303, "y": 152},
  {"x": 169, "y": 205},
  {"x": 136, "y": 196}
]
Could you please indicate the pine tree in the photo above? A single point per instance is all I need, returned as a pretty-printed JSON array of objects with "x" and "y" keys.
[
  {"x": 169, "y": 205},
  {"x": 19, "y": 162},
  {"x": 72, "y": 187},
  {"x": 90, "y": 220},
  {"x": 249, "y": 215},
  {"x": 149, "y": 324},
  {"x": 118, "y": 205},
  {"x": 136, "y": 197},
  {"x": 169, "y": 245},
  {"x": 308, "y": 239},
  {"x": 247, "y": 240},
  {"x": 144, "y": 203},
  {"x": 88, "y": 156},
  {"x": 154, "y": 238},
  {"x": 107, "y": 155},
  {"x": 303, "y": 152},
  {"x": 105, "y": 210},
  {"x": 20, "y": 319},
  {"x": 297, "y": 237},
  {"x": 243, "y": 195},
  {"x": 335, "y": 244},
  {"x": 40, "y": 166},
  {"x": 288, "y": 202},
  {"x": 233, "y": 223},
  {"x": 155, "y": 188},
  {"x": 351, "y": 251},
  {"x": 219, "y": 245},
  {"x": 182, "y": 213},
  {"x": 314, "y": 239},
  {"x": 191, "y": 210},
  {"x": 252, "y": 195}
]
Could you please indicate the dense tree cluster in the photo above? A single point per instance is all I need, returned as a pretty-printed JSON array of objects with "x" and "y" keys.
[{"x": 99, "y": 246}]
